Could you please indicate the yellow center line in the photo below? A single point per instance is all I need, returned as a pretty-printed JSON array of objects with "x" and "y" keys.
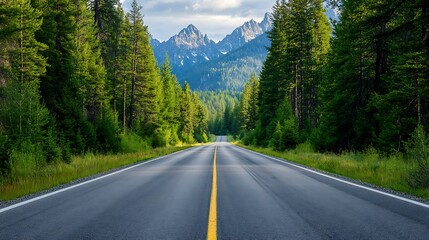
[{"x": 212, "y": 228}]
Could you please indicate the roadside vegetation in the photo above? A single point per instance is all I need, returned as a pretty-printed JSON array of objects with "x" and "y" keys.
[
  {"x": 81, "y": 93},
  {"x": 31, "y": 175},
  {"x": 350, "y": 97},
  {"x": 391, "y": 172}
]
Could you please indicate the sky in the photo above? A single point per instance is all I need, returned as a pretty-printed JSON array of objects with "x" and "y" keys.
[{"x": 216, "y": 18}]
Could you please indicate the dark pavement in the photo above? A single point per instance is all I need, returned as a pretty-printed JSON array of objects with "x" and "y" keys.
[{"x": 257, "y": 198}]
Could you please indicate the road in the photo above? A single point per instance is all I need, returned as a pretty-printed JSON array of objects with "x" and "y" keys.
[{"x": 257, "y": 197}]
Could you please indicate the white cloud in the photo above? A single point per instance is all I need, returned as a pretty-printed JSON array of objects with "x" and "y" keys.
[
  {"x": 216, "y": 18},
  {"x": 216, "y": 4}
]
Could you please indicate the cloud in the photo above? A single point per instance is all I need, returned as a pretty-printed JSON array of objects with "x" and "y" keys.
[
  {"x": 216, "y": 4},
  {"x": 216, "y": 18}
]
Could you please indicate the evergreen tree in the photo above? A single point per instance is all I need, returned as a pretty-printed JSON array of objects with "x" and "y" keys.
[
  {"x": 249, "y": 104},
  {"x": 187, "y": 115},
  {"x": 300, "y": 40},
  {"x": 201, "y": 120},
  {"x": 373, "y": 92},
  {"x": 24, "y": 120},
  {"x": 146, "y": 84},
  {"x": 90, "y": 66},
  {"x": 108, "y": 18},
  {"x": 169, "y": 83}
]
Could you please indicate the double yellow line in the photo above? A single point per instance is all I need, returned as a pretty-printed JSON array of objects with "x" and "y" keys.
[{"x": 212, "y": 226}]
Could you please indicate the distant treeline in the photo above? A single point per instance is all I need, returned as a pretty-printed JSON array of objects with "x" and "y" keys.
[{"x": 77, "y": 75}]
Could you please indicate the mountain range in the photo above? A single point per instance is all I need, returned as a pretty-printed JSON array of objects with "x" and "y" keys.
[
  {"x": 226, "y": 65},
  {"x": 207, "y": 65}
]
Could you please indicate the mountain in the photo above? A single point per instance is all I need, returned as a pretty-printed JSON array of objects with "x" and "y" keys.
[
  {"x": 231, "y": 71},
  {"x": 244, "y": 34},
  {"x": 190, "y": 49},
  {"x": 154, "y": 42},
  {"x": 186, "y": 49}
]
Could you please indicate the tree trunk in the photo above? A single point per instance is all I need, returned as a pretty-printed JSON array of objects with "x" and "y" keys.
[
  {"x": 130, "y": 120},
  {"x": 97, "y": 17},
  {"x": 124, "y": 112}
]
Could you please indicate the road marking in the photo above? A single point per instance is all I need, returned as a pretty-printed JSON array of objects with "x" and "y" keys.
[
  {"x": 341, "y": 180},
  {"x": 84, "y": 183},
  {"x": 212, "y": 225}
]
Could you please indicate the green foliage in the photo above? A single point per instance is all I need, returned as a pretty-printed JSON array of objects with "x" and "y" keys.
[
  {"x": 216, "y": 103},
  {"x": 374, "y": 90},
  {"x": 249, "y": 107},
  {"x": 277, "y": 141},
  {"x": 79, "y": 167},
  {"x": 133, "y": 143},
  {"x": 108, "y": 138},
  {"x": 4, "y": 155},
  {"x": 160, "y": 138},
  {"x": 72, "y": 74},
  {"x": 187, "y": 114},
  {"x": 389, "y": 172},
  {"x": 299, "y": 42},
  {"x": 418, "y": 151},
  {"x": 286, "y": 132}
]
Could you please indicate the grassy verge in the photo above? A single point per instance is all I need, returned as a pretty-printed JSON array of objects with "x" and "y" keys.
[
  {"x": 81, "y": 166},
  {"x": 231, "y": 139},
  {"x": 388, "y": 172}
]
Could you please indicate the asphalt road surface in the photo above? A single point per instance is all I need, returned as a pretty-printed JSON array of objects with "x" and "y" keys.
[{"x": 257, "y": 198}]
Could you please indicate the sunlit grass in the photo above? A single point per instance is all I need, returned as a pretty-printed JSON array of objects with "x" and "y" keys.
[
  {"x": 370, "y": 167},
  {"x": 46, "y": 177}
]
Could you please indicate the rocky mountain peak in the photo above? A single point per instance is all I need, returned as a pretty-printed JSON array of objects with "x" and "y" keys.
[
  {"x": 266, "y": 23},
  {"x": 244, "y": 34},
  {"x": 190, "y": 37}
]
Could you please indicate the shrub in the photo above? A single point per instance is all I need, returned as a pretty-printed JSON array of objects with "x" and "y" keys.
[
  {"x": 108, "y": 133},
  {"x": 4, "y": 155},
  {"x": 418, "y": 150},
  {"x": 132, "y": 143},
  {"x": 160, "y": 138}
]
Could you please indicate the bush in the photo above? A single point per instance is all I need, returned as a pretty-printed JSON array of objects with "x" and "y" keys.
[
  {"x": 108, "y": 133},
  {"x": 132, "y": 143},
  {"x": 25, "y": 158},
  {"x": 418, "y": 150},
  {"x": 160, "y": 138},
  {"x": 276, "y": 141},
  {"x": 4, "y": 155},
  {"x": 174, "y": 140},
  {"x": 50, "y": 146},
  {"x": 201, "y": 138}
]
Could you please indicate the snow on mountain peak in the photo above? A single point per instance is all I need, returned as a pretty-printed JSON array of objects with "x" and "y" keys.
[
  {"x": 244, "y": 34},
  {"x": 190, "y": 37}
]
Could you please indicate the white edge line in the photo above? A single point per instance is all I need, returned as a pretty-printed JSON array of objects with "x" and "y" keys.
[
  {"x": 84, "y": 183},
  {"x": 286, "y": 162}
]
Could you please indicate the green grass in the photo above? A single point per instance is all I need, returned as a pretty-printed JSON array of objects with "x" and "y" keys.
[
  {"x": 212, "y": 138},
  {"x": 46, "y": 177},
  {"x": 389, "y": 172},
  {"x": 230, "y": 138}
]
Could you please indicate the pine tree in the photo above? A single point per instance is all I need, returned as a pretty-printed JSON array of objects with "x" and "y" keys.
[
  {"x": 146, "y": 84},
  {"x": 169, "y": 83},
  {"x": 300, "y": 41},
  {"x": 108, "y": 18},
  {"x": 249, "y": 104},
  {"x": 24, "y": 120},
  {"x": 90, "y": 66},
  {"x": 62, "y": 88},
  {"x": 124, "y": 71},
  {"x": 187, "y": 115},
  {"x": 373, "y": 92}
]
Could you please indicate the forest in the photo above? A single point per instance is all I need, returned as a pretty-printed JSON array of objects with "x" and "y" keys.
[
  {"x": 80, "y": 76},
  {"x": 354, "y": 85}
]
